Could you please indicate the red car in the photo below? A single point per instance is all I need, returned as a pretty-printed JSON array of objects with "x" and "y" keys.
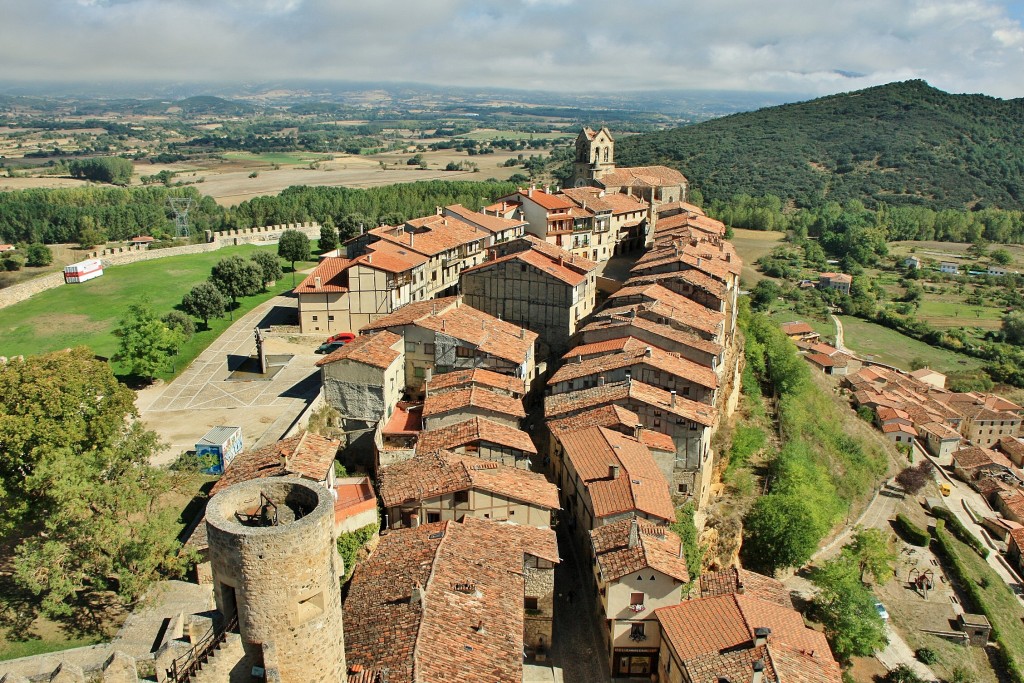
[{"x": 342, "y": 337}]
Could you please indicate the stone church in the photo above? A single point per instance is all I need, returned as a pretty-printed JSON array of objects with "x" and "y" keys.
[{"x": 595, "y": 166}]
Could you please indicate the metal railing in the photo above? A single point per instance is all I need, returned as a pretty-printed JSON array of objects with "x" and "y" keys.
[{"x": 184, "y": 667}]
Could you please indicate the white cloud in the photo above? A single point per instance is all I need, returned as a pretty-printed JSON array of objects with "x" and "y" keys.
[{"x": 789, "y": 45}]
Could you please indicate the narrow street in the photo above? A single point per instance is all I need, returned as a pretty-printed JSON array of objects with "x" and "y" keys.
[{"x": 578, "y": 646}]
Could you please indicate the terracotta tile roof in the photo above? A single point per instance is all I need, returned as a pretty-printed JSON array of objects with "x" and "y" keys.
[
  {"x": 476, "y": 397},
  {"x": 975, "y": 456},
  {"x": 685, "y": 206},
  {"x": 941, "y": 430},
  {"x": 556, "y": 252},
  {"x": 836, "y": 277},
  {"x": 718, "y": 261},
  {"x": 694, "y": 278},
  {"x": 893, "y": 427},
  {"x": 559, "y": 268},
  {"x": 602, "y": 201},
  {"x": 476, "y": 377},
  {"x": 307, "y": 455},
  {"x": 370, "y": 349},
  {"x": 650, "y": 176},
  {"x": 1012, "y": 499},
  {"x": 820, "y": 359},
  {"x": 333, "y": 274},
  {"x": 389, "y": 257},
  {"x": 706, "y": 627},
  {"x": 433, "y": 474},
  {"x": 635, "y": 353},
  {"x": 474, "y": 430},
  {"x": 450, "y": 317},
  {"x": 1012, "y": 447},
  {"x": 407, "y": 420},
  {"x": 469, "y": 575},
  {"x": 492, "y": 224},
  {"x": 604, "y": 416},
  {"x": 1017, "y": 535},
  {"x": 628, "y": 325},
  {"x": 694, "y": 314},
  {"x": 551, "y": 202},
  {"x": 410, "y": 313},
  {"x": 571, "y": 402},
  {"x": 640, "y": 485},
  {"x": 734, "y": 580},
  {"x": 886, "y": 413},
  {"x": 653, "y": 547},
  {"x": 432, "y": 235}
]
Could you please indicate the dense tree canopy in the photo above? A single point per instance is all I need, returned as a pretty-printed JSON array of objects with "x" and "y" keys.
[
  {"x": 145, "y": 342},
  {"x": 113, "y": 170}
]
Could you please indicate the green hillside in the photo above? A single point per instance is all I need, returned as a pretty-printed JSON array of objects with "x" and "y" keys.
[{"x": 902, "y": 143}]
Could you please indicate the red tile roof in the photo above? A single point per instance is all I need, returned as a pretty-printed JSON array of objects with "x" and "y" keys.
[
  {"x": 551, "y": 202},
  {"x": 468, "y": 624},
  {"x": 490, "y": 223},
  {"x": 432, "y": 235},
  {"x": 429, "y": 475},
  {"x": 734, "y": 580},
  {"x": 307, "y": 455},
  {"x": 475, "y": 397},
  {"x": 370, "y": 349},
  {"x": 633, "y": 354},
  {"x": 571, "y": 402},
  {"x": 640, "y": 485},
  {"x": 560, "y": 268},
  {"x": 975, "y": 456},
  {"x": 631, "y": 545},
  {"x": 333, "y": 274},
  {"x": 473, "y": 431},
  {"x": 678, "y": 306},
  {"x": 628, "y": 326},
  {"x": 641, "y": 176},
  {"x": 476, "y": 377}
]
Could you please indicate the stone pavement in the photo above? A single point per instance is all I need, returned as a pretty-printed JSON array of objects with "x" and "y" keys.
[
  {"x": 182, "y": 411},
  {"x": 578, "y": 648}
]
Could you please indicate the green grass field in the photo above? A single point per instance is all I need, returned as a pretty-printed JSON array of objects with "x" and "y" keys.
[
  {"x": 283, "y": 158},
  {"x": 512, "y": 135},
  {"x": 86, "y": 314},
  {"x": 892, "y": 348},
  {"x": 752, "y": 245}
]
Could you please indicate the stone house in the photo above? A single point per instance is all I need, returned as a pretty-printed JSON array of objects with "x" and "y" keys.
[
  {"x": 690, "y": 425},
  {"x": 741, "y": 637},
  {"x": 1013, "y": 448},
  {"x": 476, "y": 377},
  {"x": 949, "y": 268},
  {"x": 974, "y": 462},
  {"x": 706, "y": 323},
  {"x": 604, "y": 476},
  {"x": 1015, "y": 549},
  {"x": 940, "y": 440},
  {"x": 543, "y": 288},
  {"x": 639, "y": 568},
  {"x": 839, "y": 282},
  {"x": 640, "y": 361},
  {"x": 482, "y": 438},
  {"x": 365, "y": 379},
  {"x": 421, "y": 602},
  {"x": 455, "y": 406},
  {"x": 440, "y": 485},
  {"x": 617, "y": 217},
  {"x": 445, "y": 335},
  {"x": 558, "y": 221},
  {"x": 618, "y": 330}
]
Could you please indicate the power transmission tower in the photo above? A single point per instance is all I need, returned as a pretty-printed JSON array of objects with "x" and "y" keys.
[{"x": 180, "y": 206}]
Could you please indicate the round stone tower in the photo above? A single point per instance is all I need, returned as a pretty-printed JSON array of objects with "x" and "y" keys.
[{"x": 276, "y": 567}]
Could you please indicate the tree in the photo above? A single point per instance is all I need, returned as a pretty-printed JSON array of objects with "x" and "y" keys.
[
  {"x": 13, "y": 262},
  {"x": 89, "y": 237},
  {"x": 204, "y": 301},
  {"x": 115, "y": 170},
  {"x": 847, "y": 610},
  {"x": 1013, "y": 327},
  {"x": 913, "y": 479},
  {"x": 270, "y": 267},
  {"x": 871, "y": 551},
  {"x": 38, "y": 255},
  {"x": 781, "y": 530},
  {"x": 764, "y": 293},
  {"x": 234, "y": 277},
  {"x": 293, "y": 246},
  {"x": 75, "y": 466},
  {"x": 145, "y": 343},
  {"x": 180, "y": 323},
  {"x": 328, "y": 236},
  {"x": 1001, "y": 257}
]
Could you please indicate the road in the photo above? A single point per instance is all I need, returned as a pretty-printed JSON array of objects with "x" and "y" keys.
[{"x": 840, "y": 344}]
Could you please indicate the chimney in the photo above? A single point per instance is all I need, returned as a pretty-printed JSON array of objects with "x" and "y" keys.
[
  {"x": 428, "y": 373},
  {"x": 758, "y": 668},
  {"x": 677, "y": 248},
  {"x": 600, "y": 380},
  {"x": 648, "y": 352},
  {"x": 483, "y": 324},
  {"x": 316, "y": 282},
  {"x": 579, "y": 357},
  {"x": 438, "y": 210},
  {"x": 761, "y": 636},
  {"x": 634, "y": 534},
  {"x": 369, "y": 258},
  {"x": 522, "y": 333},
  {"x": 529, "y": 193},
  {"x": 698, "y": 261},
  {"x": 673, "y": 399},
  {"x": 561, "y": 261},
  {"x": 638, "y": 431},
  {"x": 416, "y": 595},
  {"x": 442, "y": 324},
  {"x": 412, "y": 238},
  {"x": 629, "y": 378}
]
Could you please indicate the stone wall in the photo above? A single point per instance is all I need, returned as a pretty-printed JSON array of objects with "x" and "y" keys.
[
  {"x": 540, "y": 583},
  {"x": 117, "y": 256}
]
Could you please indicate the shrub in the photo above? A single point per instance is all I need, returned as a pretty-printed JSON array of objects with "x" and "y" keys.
[
  {"x": 961, "y": 532},
  {"x": 926, "y": 655},
  {"x": 350, "y": 542},
  {"x": 38, "y": 255},
  {"x": 12, "y": 262},
  {"x": 910, "y": 532}
]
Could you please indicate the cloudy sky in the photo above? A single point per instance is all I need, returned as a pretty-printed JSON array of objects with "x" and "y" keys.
[{"x": 804, "y": 46}]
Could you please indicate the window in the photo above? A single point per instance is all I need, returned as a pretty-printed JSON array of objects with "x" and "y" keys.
[
  {"x": 460, "y": 497},
  {"x": 464, "y": 352},
  {"x": 636, "y": 599},
  {"x": 410, "y": 346},
  {"x": 330, "y": 318},
  {"x": 428, "y": 349},
  {"x": 684, "y": 488},
  {"x": 636, "y": 632},
  {"x": 419, "y": 372},
  {"x": 433, "y": 517},
  {"x": 530, "y": 603},
  {"x": 314, "y": 318}
]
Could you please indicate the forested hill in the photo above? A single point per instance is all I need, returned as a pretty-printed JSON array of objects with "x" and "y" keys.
[{"x": 902, "y": 143}]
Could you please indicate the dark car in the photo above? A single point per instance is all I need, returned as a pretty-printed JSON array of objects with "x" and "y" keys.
[{"x": 328, "y": 347}]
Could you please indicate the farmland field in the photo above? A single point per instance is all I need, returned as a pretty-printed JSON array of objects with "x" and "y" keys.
[
  {"x": 879, "y": 343},
  {"x": 752, "y": 245}
]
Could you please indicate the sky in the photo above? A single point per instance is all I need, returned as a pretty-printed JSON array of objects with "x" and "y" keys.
[{"x": 572, "y": 46}]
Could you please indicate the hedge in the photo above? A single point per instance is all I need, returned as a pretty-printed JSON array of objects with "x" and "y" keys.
[
  {"x": 960, "y": 531},
  {"x": 911, "y": 533},
  {"x": 970, "y": 584}
]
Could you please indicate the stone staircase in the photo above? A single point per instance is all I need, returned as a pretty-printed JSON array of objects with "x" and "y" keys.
[{"x": 226, "y": 663}]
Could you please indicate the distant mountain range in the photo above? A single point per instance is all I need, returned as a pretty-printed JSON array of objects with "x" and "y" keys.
[{"x": 902, "y": 143}]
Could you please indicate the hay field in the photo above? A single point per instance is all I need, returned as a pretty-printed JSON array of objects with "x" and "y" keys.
[{"x": 752, "y": 245}]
